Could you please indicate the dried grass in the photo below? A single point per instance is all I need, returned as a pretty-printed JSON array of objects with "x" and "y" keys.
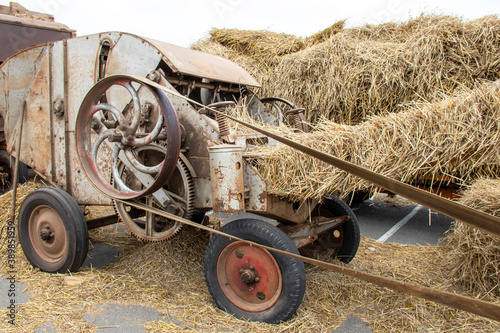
[
  {"x": 359, "y": 72},
  {"x": 169, "y": 277},
  {"x": 453, "y": 141},
  {"x": 474, "y": 256}
]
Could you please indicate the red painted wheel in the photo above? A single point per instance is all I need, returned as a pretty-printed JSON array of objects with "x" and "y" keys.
[
  {"x": 250, "y": 282},
  {"x": 249, "y": 276},
  {"x": 119, "y": 114}
]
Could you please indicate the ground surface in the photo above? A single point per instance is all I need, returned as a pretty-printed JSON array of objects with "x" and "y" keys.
[{"x": 407, "y": 224}]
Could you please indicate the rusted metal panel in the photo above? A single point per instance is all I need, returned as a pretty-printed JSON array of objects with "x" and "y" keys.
[
  {"x": 58, "y": 122},
  {"x": 16, "y": 77},
  {"x": 226, "y": 164},
  {"x": 195, "y": 63},
  {"x": 132, "y": 55},
  {"x": 198, "y": 129},
  {"x": 81, "y": 69},
  {"x": 36, "y": 143},
  {"x": 203, "y": 198},
  {"x": 288, "y": 211},
  {"x": 256, "y": 200}
]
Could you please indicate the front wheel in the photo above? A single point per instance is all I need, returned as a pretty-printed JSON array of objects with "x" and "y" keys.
[
  {"x": 251, "y": 282},
  {"x": 52, "y": 231}
]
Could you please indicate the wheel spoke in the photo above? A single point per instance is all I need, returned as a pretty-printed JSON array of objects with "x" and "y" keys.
[
  {"x": 150, "y": 218},
  {"x": 137, "y": 108}
]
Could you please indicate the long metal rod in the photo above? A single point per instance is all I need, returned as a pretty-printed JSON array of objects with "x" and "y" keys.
[
  {"x": 475, "y": 218},
  {"x": 16, "y": 165},
  {"x": 472, "y": 305}
]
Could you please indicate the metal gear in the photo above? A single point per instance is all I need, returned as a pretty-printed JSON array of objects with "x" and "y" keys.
[{"x": 152, "y": 228}]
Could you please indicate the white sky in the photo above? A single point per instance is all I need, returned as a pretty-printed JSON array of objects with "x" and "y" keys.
[{"x": 183, "y": 22}]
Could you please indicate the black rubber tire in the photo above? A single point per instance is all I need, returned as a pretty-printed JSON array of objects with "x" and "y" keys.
[
  {"x": 8, "y": 165},
  {"x": 292, "y": 270},
  {"x": 74, "y": 222},
  {"x": 350, "y": 229}
]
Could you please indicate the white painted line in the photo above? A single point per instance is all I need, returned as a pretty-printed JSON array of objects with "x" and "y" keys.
[{"x": 398, "y": 225}]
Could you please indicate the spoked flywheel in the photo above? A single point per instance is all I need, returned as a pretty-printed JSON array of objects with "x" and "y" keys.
[
  {"x": 120, "y": 114},
  {"x": 176, "y": 197}
]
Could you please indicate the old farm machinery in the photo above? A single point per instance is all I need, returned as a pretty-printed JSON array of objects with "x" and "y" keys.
[
  {"x": 141, "y": 125},
  {"x": 113, "y": 117}
]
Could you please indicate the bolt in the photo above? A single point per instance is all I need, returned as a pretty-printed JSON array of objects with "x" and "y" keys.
[{"x": 46, "y": 234}]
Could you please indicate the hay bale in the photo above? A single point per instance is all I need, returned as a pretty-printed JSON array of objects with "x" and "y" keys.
[
  {"x": 474, "y": 256},
  {"x": 455, "y": 140},
  {"x": 360, "y": 72},
  {"x": 261, "y": 45}
]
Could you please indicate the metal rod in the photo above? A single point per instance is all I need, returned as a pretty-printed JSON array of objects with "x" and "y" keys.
[
  {"x": 176, "y": 81},
  {"x": 487, "y": 223},
  {"x": 16, "y": 165},
  {"x": 469, "y": 304}
]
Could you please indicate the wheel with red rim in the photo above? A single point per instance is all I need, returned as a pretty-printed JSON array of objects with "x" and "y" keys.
[
  {"x": 52, "y": 231},
  {"x": 251, "y": 282}
]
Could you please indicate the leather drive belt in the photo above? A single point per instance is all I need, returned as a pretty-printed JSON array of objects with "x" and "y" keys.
[{"x": 475, "y": 218}]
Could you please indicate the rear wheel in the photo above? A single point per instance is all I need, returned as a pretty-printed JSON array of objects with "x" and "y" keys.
[
  {"x": 343, "y": 239},
  {"x": 52, "y": 231},
  {"x": 250, "y": 282}
]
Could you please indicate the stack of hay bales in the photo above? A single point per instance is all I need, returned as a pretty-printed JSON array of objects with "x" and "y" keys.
[
  {"x": 455, "y": 140},
  {"x": 347, "y": 75},
  {"x": 412, "y": 101},
  {"x": 474, "y": 256}
]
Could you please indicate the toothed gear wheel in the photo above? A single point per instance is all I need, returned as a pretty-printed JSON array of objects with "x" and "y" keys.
[{"x": 180, "y": 187}]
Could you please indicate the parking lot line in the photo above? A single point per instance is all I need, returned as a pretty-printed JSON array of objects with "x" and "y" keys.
[{"x": 398, "y": 225}]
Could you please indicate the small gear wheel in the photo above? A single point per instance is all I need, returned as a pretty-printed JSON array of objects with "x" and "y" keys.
[{"x": 180, "y": 188}]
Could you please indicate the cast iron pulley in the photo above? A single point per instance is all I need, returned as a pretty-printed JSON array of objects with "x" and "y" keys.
[{"x": 119, "y": 114}]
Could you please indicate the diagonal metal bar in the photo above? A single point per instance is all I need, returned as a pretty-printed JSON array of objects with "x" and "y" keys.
[
  {"x": 472, "y": 305},
  {"x": 475, "y": 218}
]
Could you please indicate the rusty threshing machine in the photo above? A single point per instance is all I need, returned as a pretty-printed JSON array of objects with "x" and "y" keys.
[{"x": 113, "y": 118}]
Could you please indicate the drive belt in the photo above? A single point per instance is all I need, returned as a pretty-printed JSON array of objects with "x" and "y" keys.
[
  {"x": 472, "y": 305},
  {"x": 475, "y": 218}
]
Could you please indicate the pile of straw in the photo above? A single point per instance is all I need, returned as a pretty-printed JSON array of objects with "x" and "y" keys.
[
  {"x": 169, "y": 277},
  {"x": 474, "y": 256},
  {"x": 346, "y": 75},
  {"x": 455, "y": 140}
]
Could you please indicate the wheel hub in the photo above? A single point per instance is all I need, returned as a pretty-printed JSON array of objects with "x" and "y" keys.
[
  {"x": 249, "y": 277},
  {"x": 48, "y": 234}
]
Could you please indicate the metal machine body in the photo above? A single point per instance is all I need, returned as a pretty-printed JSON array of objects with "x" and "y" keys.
[
  {"x": 113, "y": 117},
  {"x": 53, "y": 79}
]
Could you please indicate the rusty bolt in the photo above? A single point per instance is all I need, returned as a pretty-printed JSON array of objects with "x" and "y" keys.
[
  {"x": 46, "y": 234},
  {"x": 239, "y": 253},
  {"x": 58, "y": 107},
  {"x": 115, "y": 137},
  {"x": 96, "y": 125}
]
